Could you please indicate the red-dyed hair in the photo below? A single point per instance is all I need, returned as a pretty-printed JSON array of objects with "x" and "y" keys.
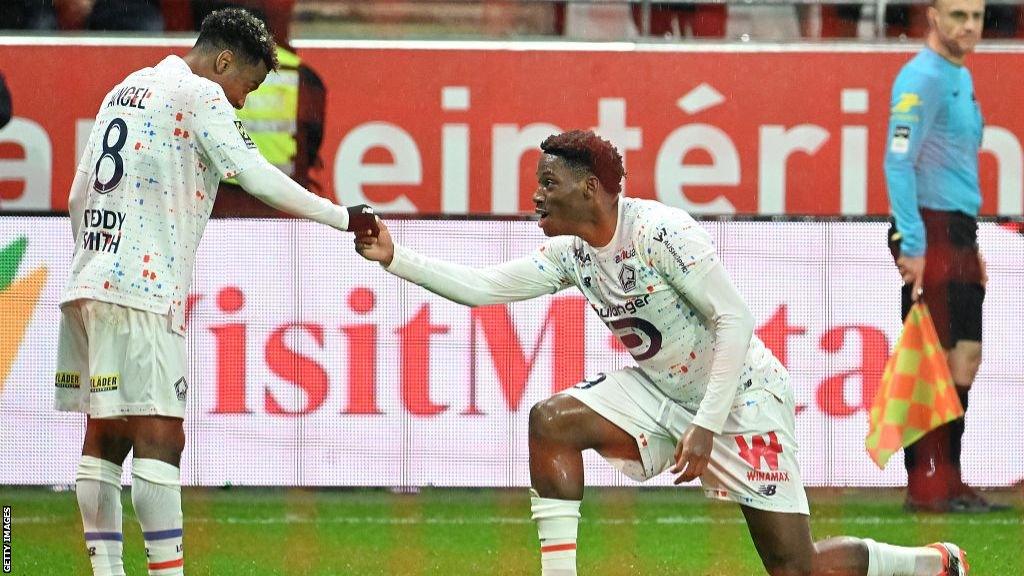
[{"x": 589, "y": 151}]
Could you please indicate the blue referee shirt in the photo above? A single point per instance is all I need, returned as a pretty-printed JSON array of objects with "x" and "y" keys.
[{"x": 931, "y": 160}]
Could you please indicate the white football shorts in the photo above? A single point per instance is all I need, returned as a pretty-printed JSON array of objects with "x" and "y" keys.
[
  {"x": 754, "y": 459},
  {"x": 114, "y": 362}
]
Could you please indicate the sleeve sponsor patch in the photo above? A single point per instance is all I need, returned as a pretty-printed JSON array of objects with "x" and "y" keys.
[
  {"x": 907, "y": 102},
  {"x": 900, "y": 140},
  {"x": 245, "y": 135}
]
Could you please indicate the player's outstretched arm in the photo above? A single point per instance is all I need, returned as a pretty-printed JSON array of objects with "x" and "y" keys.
[
  {"x": 275, "y": 189},
  {"x": 511, "y": 281}
]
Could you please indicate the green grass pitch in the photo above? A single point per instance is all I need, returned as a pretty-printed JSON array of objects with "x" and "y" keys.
[{"x": 448, "y": 532}]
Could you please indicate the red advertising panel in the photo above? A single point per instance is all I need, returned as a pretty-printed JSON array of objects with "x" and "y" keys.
[{"x": 454, "y": 127}]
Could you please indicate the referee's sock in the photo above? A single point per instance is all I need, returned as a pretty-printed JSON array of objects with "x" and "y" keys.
[
  {"x": 98, "y": 488},
  {"x": 888, "y": 560},
  {"x": 156, "y": 494},
  {"x": 557, "y": 524},
  {"x": 956, "y": 430}
]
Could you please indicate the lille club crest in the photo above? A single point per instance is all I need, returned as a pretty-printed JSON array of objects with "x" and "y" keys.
[
  {"x": 627, "y": 277},
  {"x": 181, "y": 388}
]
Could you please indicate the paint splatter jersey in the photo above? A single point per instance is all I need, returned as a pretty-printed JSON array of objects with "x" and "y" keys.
[
  {"x": 637, "y": 285},
  {"x": 163, "y": 140}
]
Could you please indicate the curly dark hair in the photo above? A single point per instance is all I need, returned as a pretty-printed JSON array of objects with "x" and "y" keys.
[
  {"x": 585, "y": 150},
  {"x": 239, "y": 30}
]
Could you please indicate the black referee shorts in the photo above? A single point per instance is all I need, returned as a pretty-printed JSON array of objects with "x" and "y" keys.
[{"x": 952, "y": 275}]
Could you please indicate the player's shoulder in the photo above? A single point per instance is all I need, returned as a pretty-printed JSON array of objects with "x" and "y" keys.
[
  {"x": 640, "y": 212},
  {"x": 558, "y": 251},
  {"x": 172, "y": 70},
  {"x": 186, "y": 87},
  {"x": 649, "y": 218},
  {"x": 559, "y": 245},
  {"x": 211, "y": 98}
]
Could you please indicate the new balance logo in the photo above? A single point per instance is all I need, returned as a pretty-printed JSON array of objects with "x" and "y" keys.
[{"x": 765, "y": 448}]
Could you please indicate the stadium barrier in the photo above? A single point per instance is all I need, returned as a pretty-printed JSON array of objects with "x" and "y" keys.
[{"x": 310, "y": 366}]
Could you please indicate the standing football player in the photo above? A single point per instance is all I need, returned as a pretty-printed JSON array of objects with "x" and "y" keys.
[
  {"x": 163, "y": 140},
  {"x": 706, "y": 399}
]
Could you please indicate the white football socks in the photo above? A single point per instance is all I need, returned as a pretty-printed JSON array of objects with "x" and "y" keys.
[
  {"x": 98, "y": 487},
  {"x": 156, "y": 494},
  {"x": 557, "y": 524},
  {"x": 888, "y": 560}
]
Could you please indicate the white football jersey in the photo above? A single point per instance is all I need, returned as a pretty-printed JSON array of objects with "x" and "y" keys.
[
  {"x": 637, "y": 283},
  {"x": 164, "y": 138}
]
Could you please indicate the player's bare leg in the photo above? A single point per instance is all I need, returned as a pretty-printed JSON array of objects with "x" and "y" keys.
[
  {"x": 561, "y": 428},
  {"x": 784, "y": 544},
  {"x": 158, "y": 437},
  {"x": 107, "y": 438},
  {"x": 156, "y": 490},
  {"x": 98, "y": 490},
  {"x": 783, "y": 541}
]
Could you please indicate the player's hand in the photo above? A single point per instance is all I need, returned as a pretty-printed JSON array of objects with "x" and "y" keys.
[
  {"x": 361, "y": 220},
  {"x": 376, "y": 247},
  {"x": 984, "y": 270},
  {"x": 912, "y": 270},
  {"x": 693, "y": 453}
]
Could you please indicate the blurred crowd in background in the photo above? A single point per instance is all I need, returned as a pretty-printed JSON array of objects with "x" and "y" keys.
[{"x": 584, "y": 19}]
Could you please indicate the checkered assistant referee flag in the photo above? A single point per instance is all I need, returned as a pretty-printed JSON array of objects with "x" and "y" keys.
[{"x": 916, "y": 392}]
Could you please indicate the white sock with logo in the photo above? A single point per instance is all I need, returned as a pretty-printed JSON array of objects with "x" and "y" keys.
[
  {"x": 98, "y": 488},
  {"x": 557, "y": 524},
  {"x": 156, "y": 494},
  {"x": 888, "y": 560}
]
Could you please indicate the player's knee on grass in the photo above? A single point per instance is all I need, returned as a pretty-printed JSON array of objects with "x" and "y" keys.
[
  {"x": 779, "y": 564},
  {"x": 783, "y": 541},
  {"x": 840, "y": 555},
  {"x": 785, "y": 557}
]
